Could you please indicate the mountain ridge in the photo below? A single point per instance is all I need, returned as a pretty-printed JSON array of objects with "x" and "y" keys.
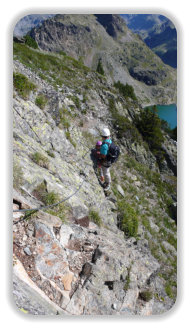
[{"x": 124, "y": 57}]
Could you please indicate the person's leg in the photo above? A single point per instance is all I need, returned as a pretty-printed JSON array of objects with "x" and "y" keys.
[
  {"x": 107, "y": 176},
  {"x": 101, "y": 175}
]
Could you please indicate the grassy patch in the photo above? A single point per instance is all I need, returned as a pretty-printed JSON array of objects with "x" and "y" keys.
[
  {"x": 169, "y": 290},
  {"x": 48, "y": 198},
  {"x": 40, "y": 160},
  {"x": 146, "y": 295},
  {"x": 41, "y": 101},
  {"x": 128, "y": 219},
  {"x": 41, "y": 193},
  {"x": 23, "y": 85},
  {"x": 127, "y": 280},
  {"x": 95, "y": 217},
  {"x": 54, "y": 68}
]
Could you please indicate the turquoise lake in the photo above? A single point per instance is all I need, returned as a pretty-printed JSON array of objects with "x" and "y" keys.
[{"x": 168, "y": 113}]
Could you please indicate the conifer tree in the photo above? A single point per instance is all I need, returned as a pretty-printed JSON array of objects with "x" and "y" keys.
[
  {"x": 100, "y": 69},
  {"x": 149, "y": 125}
]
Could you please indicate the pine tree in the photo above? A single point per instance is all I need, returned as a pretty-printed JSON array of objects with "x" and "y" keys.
[
  {"x": 149, "y": 125},
  {"x": 100, "y": 69}
]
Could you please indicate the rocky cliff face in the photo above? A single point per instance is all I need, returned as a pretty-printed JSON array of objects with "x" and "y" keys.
[
  {"x": 93, "y": 253},
  {"x": 124, "y": 56}
]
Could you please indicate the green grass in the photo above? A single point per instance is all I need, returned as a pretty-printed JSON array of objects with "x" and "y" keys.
[
  {"x": 146, "y": 295},
  {"x": 61, "y": 210},
  {"x": 41, "y": 101},
  {"x": 129, "y": 218},
  {"x": 169, "y": 290},
  {"x": 40, "y": 160},
  {"x": 127, "y": 280},
  {"x": 41, "y": 193},
  {"x": 54, "y": 68},
  {"x": 95, "y": 217},
  {"x": 22, "y": 85}
]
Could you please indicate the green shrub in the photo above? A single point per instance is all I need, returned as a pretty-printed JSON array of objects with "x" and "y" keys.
[
  {"x": 128, "y": 218},
  {"x": 64, "y": 122},
  {"x": 95, "y": 217},
  {"x": 41, "y": 101},
  {"x": 29, "y": 41},
  {"x": 145, "y": 295},
  {"x": 40, "y": 159},
  {"x": 99, "y": 68},
  {"x": 127, "y": 280},
  {"x": 22, "y": 85},
  {"x": 169, "y": 290},
  {"x": 125, "y": 90},
  {"x": 149, "y": 125},
  {"x": 41, "y": 193},
  {"x": 50, "y": 198}
]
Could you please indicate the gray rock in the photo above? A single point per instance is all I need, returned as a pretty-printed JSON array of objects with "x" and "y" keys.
[
  {"x": 120, "y": 190},
  {"x": 27, "y": 251},
  {"x": 80, "y": 211}
]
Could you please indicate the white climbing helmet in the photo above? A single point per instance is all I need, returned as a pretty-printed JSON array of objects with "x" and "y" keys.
[{"x": 105, "y": 132}]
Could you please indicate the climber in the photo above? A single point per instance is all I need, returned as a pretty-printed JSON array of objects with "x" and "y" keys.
[{"x": 105, "y": 134}]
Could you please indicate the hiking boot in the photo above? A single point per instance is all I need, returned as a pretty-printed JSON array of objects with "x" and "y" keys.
[{"x": 106, "y": 186}]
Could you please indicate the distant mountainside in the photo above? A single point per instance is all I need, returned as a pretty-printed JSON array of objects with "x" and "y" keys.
[
  {"x": 123, "y": 55},
  {"x": 143, "y": 23},
  {"x": 25, "y": 24},
  {"x": 158, "y": 32}
]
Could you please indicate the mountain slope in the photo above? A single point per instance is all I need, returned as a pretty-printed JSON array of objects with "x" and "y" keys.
[
  {"x": 92, "y": 254},
  {"x": 125, "y": 58}
]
